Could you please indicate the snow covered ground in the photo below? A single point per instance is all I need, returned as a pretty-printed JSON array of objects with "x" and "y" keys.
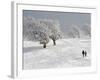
[{"x": 67, "y": 53}]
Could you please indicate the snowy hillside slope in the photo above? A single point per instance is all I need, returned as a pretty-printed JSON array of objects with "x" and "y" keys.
[{"x": 67, "y": 53}]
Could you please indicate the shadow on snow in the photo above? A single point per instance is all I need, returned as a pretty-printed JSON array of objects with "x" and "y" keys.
[{"x": 32, "y": 48}]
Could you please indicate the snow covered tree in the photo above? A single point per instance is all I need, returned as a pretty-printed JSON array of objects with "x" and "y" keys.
[
  {"x": 54, "y": 30},
  {"x": 87, "y": 29},
  {"x": 74, "y": 31},
  {"x": 28, "y": 27},
  {"x": 41, "y": 32},
  {"x": 56, "y": 33},
  {"x": 33, "y": 29}
]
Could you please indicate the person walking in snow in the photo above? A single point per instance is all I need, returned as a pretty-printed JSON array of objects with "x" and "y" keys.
[{"x": 83, "y": 53}]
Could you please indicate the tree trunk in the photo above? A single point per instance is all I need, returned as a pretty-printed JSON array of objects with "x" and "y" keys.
[
  {"x": 44, "y": 45},
  {"x": 54, "y": 42}
]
